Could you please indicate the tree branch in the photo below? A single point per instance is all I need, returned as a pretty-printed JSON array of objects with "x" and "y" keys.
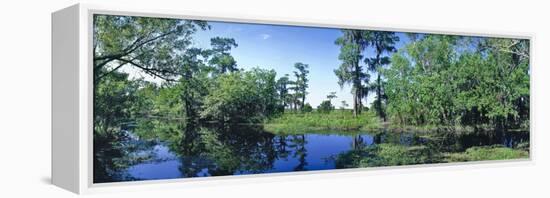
[
  {"x": 513, "y": 52},
  {"x": 109, "y": 72},
  {"x": 151, "y": 71},
  {"x": 131, "y": 48}
]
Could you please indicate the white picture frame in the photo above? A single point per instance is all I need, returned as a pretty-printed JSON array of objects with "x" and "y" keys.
[{"x": 72, "y": 101}]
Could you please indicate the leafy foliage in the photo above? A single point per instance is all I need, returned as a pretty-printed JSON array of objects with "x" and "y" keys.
[
  {"x": 221, "y": 59},
  {"x": 325, "y": 107},
  {"x": 283, "y": 89},
  {"x": 307, "y": 108},
  {"x": 432, "y": 80},
  {"x": 301, "y": 83},
  {"x": 487, "y": 153},
  {"x": 445, "y": 80},
  {"x": 242, "y": 97},
  {"x": 352, "y": 44},
  {"x": 114, "y": 102},
  {"x": 383, "y": 44},
  {"x": 152, "y": 45}
]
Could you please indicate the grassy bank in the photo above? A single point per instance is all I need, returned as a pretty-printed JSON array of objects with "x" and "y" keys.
[
  {"x": 487, "y": 153},
  {"x": 292, "y": 122},
  {"x": 433, "y": 128},
  {"x": 428, "y": 128},
  {"x": 343, "y": 120},
  {"x": 396, "y": 155}
]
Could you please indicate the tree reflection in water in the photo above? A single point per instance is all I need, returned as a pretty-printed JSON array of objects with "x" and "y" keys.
[{"x": 215, "y": 150}]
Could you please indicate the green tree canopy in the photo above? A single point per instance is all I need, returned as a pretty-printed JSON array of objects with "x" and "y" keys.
[
  {"x": 450, "y": 80},
  {"x": 383, "y": 43},
  {"x": 352, "y": 44},
  {"x": 221, "y": 58},
  {"x": 242, "y": 97},
  {"x": 151, "y": 45},
  {"x": 301, "y": 83},
  {"x": 325, "y": 107}
]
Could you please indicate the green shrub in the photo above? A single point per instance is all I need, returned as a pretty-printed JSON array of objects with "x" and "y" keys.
[
  {"x": 325, "y": 107},
  {"x": 495, "y": 152},
  {"x": 395, "y": 155},
  {"x": 307, "y": 108}
]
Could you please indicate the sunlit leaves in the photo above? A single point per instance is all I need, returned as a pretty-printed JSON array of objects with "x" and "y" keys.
[
  {"x": 453, "y": 80},
  {"x": 150, "y": 45},
  {"x": 242, "y": 97}
]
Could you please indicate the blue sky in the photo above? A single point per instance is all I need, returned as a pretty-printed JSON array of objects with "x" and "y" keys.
[{"x": 279, "y": 47}]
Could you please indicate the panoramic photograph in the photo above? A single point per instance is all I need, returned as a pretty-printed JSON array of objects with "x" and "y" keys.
[{"x": 177, "y": 98}]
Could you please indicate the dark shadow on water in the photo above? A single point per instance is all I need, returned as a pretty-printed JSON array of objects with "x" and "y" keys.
[{"x": 167, "y": 150}]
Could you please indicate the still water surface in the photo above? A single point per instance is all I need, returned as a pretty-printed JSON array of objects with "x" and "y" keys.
[{"x": 211, "y": 151}]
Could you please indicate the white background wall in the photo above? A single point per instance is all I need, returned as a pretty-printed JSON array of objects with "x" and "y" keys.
[{"x": 25, "y": 98}]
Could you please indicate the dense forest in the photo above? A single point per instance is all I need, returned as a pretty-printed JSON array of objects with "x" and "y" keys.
[
  {"x": 439, "y": 79},
  {"x": 438, "y": 82},
  {"x": 433, "y": 80},
  {"x": 198, "y": 85}
]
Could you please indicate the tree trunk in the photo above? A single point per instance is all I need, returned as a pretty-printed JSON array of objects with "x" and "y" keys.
[
  {"x": 303, "y": 99},
  {"x": 379, "y": 101},
  {"x": 355, "y": 103},
  {"x": 358, "y": 90}
]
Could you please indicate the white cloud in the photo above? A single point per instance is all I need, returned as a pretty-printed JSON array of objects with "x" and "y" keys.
[{"x": 265, "y": 36}]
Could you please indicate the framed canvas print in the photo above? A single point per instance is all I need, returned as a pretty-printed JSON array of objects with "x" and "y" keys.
[{"x": 143, "y": 97}]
